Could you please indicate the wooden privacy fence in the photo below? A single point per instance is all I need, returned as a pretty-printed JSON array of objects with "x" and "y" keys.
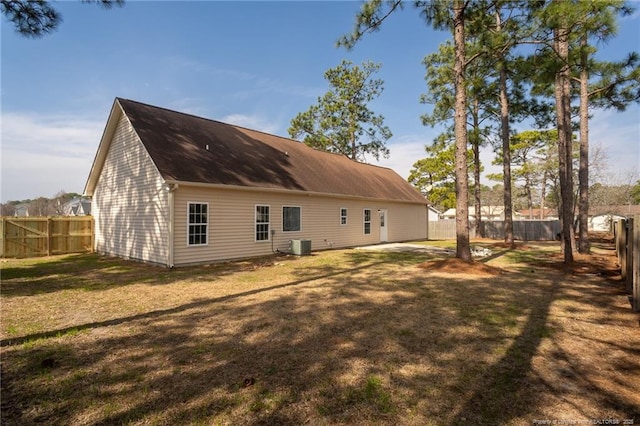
[
  {"x": 45, "y": 236},
  {"x": 524, "y": 230},
  {"x": 627, "y": 238},
  {"x": 445, "y": 230}
]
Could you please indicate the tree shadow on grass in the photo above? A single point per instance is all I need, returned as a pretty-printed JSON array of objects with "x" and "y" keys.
[
  {"x": 315, "y": 274},
  {"x": 371, "y": 341},
  {"x": 93, "y": 272}
]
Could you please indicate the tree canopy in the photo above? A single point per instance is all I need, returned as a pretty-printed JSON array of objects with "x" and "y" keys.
[
  {"x": 341, "y": 121},
  {"x": 37, "y": 18}
]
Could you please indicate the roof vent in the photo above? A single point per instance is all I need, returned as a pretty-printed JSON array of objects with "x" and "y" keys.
[
  {"x": 206, "y": 147},
  {"x": 286, "y": 153}
]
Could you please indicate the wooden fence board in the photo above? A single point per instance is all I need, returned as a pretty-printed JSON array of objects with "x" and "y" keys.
[
  {"x": 627, "y": 238},
  {"x": 445, "y": 230},
  {"x": 635, "y": 301},
  {"x": 628, "y": 264},
  {"x": 42, "y": 236}
]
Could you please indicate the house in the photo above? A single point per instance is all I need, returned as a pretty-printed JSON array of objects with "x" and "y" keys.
[
  {"x": 487, "y": 213},
  {"x": 601, "y": 218},
  {"x": 77, "y": 207},
  {"x": 538, "y": 214},
  {"x": 433, "y": 214},
  {"x": 21, "y": 210},
  {"x": 176, "y": 189}
]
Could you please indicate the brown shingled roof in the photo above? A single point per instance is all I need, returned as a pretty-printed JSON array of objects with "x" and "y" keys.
[{"x": 178, "y": 144}]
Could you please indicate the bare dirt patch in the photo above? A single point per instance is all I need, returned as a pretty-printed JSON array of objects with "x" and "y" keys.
[{"x": 455, "y": 266}]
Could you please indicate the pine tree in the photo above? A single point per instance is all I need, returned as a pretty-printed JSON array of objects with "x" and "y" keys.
[
  {"x": 37, "y": 18},
  {"x": 440, "y": 14},
  {"x": 341, "y": 122}
]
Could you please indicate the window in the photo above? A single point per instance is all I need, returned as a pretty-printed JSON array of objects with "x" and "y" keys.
[
  {"x": 291, "y": 219},
  {"x": 262, "y": 223},
  {"x": 343, "y": 216},
  {"x": 367, "y": 221},
  {"x": 198, "y": 224}
]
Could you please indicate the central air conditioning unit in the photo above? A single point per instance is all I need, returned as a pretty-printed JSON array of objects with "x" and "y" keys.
[{"x": 300, "y": 247}]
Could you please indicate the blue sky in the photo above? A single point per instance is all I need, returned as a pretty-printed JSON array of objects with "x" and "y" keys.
[{"x": 255, "y": 64}]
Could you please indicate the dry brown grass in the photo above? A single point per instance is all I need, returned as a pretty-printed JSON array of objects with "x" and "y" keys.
[{"x": 340, "y": 337}]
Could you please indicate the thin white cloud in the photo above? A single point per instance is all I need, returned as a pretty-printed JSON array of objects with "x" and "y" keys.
[
  {"x": 618, "y": 133},
  {"x": 251, "y": 122},
  {"x": 54, "y": 135},
  {"x": 42, "y": 155},
  {"x": 404, "y": 152}
]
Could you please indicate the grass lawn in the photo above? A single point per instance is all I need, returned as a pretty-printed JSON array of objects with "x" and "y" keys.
[{"x": 339, "y": 337}]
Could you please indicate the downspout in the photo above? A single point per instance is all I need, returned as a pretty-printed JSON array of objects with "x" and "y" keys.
[{"x": 171, "y": 198}]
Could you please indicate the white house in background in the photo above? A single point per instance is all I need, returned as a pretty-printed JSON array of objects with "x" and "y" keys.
[
  {"x": 77, "y": 207},
  {"x": 603, "y": 222},
  {"x": 602, "y": 217},
  {"x": 433, "y": 214},
  {"x": 21, "y": 210},
  {"x": 487, "y": 213},
  {"x": 176, "y": 189}
]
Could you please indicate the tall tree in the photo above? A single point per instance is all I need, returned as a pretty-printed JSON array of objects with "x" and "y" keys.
[
  {"x": 341, "y": 122},
  {"x": 573, "y": 25},
  {"x": 480, "y": 91},
  {"x": 616, "y": 86},
  {"x": 510, "y": 27},
  {"x": 556, "y": 20},
  {"x": 37, "y": 18},
  {"x": 452, "y": 16}
]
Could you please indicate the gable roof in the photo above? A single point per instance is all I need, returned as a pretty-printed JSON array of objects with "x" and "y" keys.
[{"x": 190, "y": 149}]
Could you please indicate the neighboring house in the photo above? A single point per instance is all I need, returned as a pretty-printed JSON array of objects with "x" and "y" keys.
[
  {"x": 603, "y": 222},
  {"x": 486, "y": 212},
  {"x": 537, "y": 214},
  {"x": 433, "y": 215},
  {"x": 176, "y": 189},
  {"x": 21, "y": 210},
  {"x": 77, "y": 207},
  {"x": 601, "y": 218}
]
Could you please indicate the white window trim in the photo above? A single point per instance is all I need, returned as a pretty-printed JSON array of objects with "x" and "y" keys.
[
  {"x": 255, "y": 223},
  {"x": 364, "y": 222},
  {"x": 282, "y": 212},
  {"x": 189, "y": 203},
  {"x": 346, "y": 216}
]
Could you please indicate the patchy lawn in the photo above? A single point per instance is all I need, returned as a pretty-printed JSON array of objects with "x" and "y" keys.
[{"x": 340, "y": 337}]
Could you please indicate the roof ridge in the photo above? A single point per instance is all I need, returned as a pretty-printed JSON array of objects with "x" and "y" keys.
[{"x": 250, "y": 130}]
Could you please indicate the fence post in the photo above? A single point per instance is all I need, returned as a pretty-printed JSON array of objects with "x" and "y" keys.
[
  {"x": 621, "y": 248},
  {"x": 629, "y": 253},
  {"x": 93, "y": 233},
  {"x": 4, "y": 237},
  {"x": 635, "y": 276},
  {"x": 49, "y": 233}
]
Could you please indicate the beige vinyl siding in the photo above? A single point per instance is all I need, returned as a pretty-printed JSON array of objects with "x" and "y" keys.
[
  {"x": 130, "y": 203},
  {"x": 232, "y": 223}
]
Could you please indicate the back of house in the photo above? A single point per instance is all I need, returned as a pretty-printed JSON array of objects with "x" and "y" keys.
[{"x": 176, "y": 189}]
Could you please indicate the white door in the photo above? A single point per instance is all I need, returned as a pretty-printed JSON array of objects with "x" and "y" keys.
[{"x": 383, "y": 226}]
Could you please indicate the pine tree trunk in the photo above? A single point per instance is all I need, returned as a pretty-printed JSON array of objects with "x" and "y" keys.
[
  {"x": 476, "y": 168},
  {"x": 563, "y": 116},
  {"x": 543, "y": 195},
  {"x": 463, "y": 247},
  {"x": 506, "y": 151},
  {"x": 583, "y": 171}
]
